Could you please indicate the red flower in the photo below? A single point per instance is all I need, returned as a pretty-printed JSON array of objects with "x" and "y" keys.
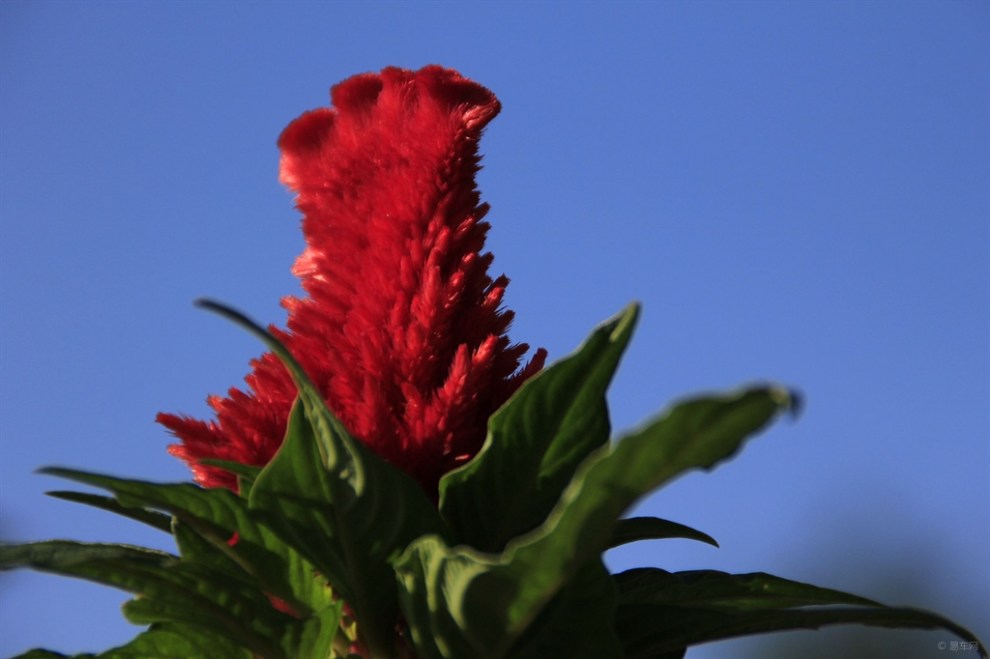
[{"x": 401, "y": 329}]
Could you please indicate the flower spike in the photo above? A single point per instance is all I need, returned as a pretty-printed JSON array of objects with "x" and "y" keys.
[{"x": 402, "y": 329}]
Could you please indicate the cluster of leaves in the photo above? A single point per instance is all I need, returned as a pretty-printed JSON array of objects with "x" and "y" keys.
[{"x": 329, "y": 551}]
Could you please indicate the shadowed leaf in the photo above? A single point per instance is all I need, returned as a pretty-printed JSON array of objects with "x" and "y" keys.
[
  {"x": 482, "y": 603},
  {"x": 536, "y": 442},
  {"x": 660, "y": 612},
  {"x": 340, "y": 505},
  {"x": 635, "y": 529},
  {"x": 149, "y": 517}
]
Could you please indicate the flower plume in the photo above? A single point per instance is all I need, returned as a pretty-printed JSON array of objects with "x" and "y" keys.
[{"x": 402, "y": 329}]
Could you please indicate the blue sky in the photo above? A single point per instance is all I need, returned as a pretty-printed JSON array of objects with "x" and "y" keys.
[{"x": 794, "y": 191}]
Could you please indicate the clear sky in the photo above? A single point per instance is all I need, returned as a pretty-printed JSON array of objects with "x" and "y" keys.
[{"x": 795, "y": 191}]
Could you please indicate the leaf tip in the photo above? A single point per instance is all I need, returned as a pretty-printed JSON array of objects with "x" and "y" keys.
[
  {"x": 621, "y": 325},
  {"x": 790, "y": 400},
  {"x": 60, "y": 472},
  {"x": 227, "y": 312}
]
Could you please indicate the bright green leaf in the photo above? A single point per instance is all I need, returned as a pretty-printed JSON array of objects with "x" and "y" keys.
[{"x": 535, "y": 443}]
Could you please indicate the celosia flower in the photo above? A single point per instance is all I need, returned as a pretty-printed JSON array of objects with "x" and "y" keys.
[{"x": 402, "y": 328}]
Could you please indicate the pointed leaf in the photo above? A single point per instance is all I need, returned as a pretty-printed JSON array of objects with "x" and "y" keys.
[
  {"x": 149, "y": 517},
  {"x": 517, "y": 584},
  {"x": 635, "y": 529},
  {"x": 168, "y": 589},
  {"x": 649, "y": 630},
  {"x": 660, "y": 612},
  {"x": 721, "y": 590},
  {"x": 220, "y": 516},
  {"x": 79, "y": 559},
  {"x": 535, "y": 443},
  {"x": 344, "y": 508}
]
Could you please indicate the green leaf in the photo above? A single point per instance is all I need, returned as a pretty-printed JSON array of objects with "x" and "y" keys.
[
  {"x": 162, "y": 641},
  {"x": 309, "y": 636},
  {"x": 177, "y": 641},
  {"x": 721, "y": 590},
  {"x": 165, "y": 641},
  {"x": 76, "y": 559},
  {"x": 194, "y": 548},
  {"x": 536, "y": 442},
  {"x": 168, "y": 589},
  {"x": 649, "y": 631},
  {"x": 439, "y": 594},
  {"x": 344, "y": 508},
  {"x": 246, "y": 474},
  {"x": 635, "y": 529},
  {"x": 482, "y": 603},
  {"x": 661, "y": 612},
  {"x": 243, "y": 471},
  {"x": 314, "y": 636},
  {"x": 173, "y": 641},
  {"x": 149, "y": 517},
  {"x": 578, "y": 623},
  {"x": 350, "y": 536},
  {"x": 217, "y": 515}
]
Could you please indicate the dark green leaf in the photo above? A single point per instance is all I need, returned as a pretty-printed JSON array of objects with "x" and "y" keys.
[
  {"x": 74, "y": 558},
  {"x": 578, "y": 623},
  {"x": 535, "y": 443},
  {"x": 634, "y": 529},
  {"x": 344, "y": 508},
  {"x": 217, "y": 515},
  {"x": 176, "y": 641},
  {"x": 721, "y": 590},
  {"x": 168, "y": 589},
  {"x": 650, "y": 630},
  {"x": 660, "y": 612},
  {"x": 483, "y": 603},
  {"x": 149, "y": 517},
  {"x": 196, "y": 549},
  {"x": 349, "y": 535}
]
